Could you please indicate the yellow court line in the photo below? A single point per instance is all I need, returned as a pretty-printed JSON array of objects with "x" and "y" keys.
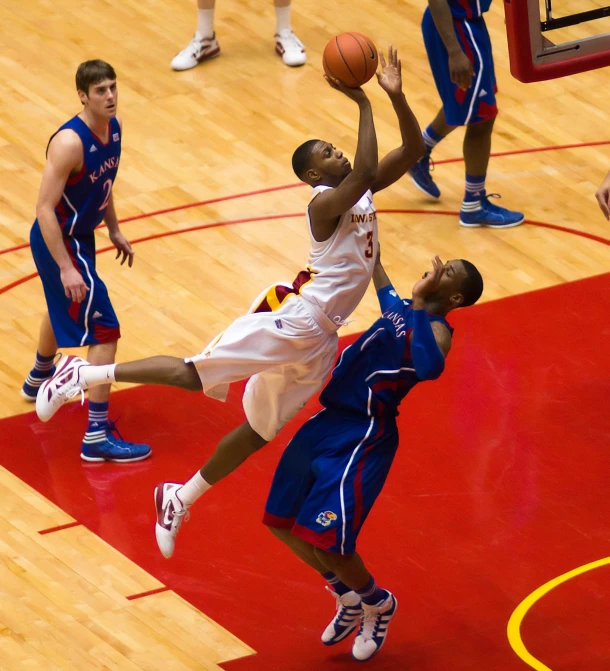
[{"x": 513, "y": 629}]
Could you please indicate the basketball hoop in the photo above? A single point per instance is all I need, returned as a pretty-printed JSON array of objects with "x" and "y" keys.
[{"x": 534, "y": 57}]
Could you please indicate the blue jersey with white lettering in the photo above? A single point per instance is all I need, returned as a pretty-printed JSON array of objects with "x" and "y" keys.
[
  {"x": 376, "y": 372},
  {"x": 468, "y": 9},
  {"x": 83, "y": 203}
]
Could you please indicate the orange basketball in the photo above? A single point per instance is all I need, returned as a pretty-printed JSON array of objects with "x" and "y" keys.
[{"x": 350, "y": 58}]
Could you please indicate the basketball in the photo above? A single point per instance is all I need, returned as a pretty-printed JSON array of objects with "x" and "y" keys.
[{"x": 351, "y": 58}]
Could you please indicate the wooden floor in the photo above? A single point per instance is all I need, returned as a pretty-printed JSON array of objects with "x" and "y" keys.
[{"x": 226, "y": 128}]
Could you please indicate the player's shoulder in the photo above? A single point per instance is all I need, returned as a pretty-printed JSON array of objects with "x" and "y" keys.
[{"x": 65, "y": 143}]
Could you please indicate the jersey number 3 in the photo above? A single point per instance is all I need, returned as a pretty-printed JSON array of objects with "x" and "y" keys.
[
  {"x": 107, "y": 191},
  {"x": 369, "y": 245}
]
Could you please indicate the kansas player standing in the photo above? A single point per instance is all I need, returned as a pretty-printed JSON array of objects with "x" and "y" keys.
[
  {"x": 336, "y": 465},
  {"x": 75, "y": 197},
  {"x": 461, "y": 60}
]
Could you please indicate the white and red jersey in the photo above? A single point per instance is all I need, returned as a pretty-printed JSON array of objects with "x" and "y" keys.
[{"x": 339, "y": 269}]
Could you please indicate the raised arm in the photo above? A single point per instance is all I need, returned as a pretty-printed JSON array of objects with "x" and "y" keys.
[
  {"x": 400, "y": 160},
  {"x": 430, "y": 341},
  {"x": 386, "y": 294},
  {"x": 460, "y": 67},
  {"x": 64, "y": 156},
  {"x": 328, "y": 206}
]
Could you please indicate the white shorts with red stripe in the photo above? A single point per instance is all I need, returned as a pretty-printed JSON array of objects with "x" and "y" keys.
[{"x": 287, "y": 354}]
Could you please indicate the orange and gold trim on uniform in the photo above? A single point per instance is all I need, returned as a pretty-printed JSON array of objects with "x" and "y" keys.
[{"x": 278, "y": 294}]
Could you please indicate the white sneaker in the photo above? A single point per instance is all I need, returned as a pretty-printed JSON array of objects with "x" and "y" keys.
[
  {"x": 171, "y": 512},
  {"x": 63, "y": 386},
  {"x": 290, "y": 48},
  {"x": 373, "y": 628},
  {"x": 199, "y": 49},
  {"x": 349, "y": 614}
]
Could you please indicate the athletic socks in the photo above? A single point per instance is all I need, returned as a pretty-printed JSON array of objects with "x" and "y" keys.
[
  {"x": 431, "y": 138},
  {"x": 205, "y": 23},
  {"x": 193, "y": 489},
  {"x": 92, "y": 376},
  {"x": 43, "y": 369},
  {"x": 282, "y": 19},
  {"x": 475, "y": 192},
  {"x": 98, "y": 423},
  {"x": 339, "y": 587},
  {"x": 372, "y": 595}
]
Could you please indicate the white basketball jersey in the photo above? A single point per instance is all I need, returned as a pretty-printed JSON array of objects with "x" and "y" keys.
[{"x": 342, "y": 266}]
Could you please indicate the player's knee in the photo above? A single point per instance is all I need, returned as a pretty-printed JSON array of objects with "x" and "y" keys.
[
  {"x": 187, "y": 377},
  {"x": 281, "y": 534},
  {"x": 482, "y": 128},
  {"x": 331, "y": 559}
]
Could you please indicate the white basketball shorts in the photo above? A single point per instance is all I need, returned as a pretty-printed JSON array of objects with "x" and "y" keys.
[{"x": 287, "y": 354}]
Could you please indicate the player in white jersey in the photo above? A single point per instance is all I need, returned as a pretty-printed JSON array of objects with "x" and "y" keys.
[{"x": 287, "y": 342}]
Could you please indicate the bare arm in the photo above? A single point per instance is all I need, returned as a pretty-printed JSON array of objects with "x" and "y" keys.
[
  {"x": 460, "y": 66},
  {"x": 603, "y": 196},
  {"x": 326, "y": 208},
  {"x": 400, "y": 160},
  {"x": 65, "y": 156}
]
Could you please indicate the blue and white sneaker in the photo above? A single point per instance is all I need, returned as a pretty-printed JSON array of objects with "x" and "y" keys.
[
  {"x": 420, "y": 175},
  {"x": 490, "y": 215},
  {"x": 32, "y": 384},
  {"x": 349, "y": 614},
  {"x": 114, "y": 448},
  {"x": 373, "y": 628}
]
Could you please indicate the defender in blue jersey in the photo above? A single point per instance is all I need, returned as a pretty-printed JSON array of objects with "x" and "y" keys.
[
  {"x": 75, "y": 197},
  {"x": 336, "y": 465},
  {"x": 461, "y": 60}
]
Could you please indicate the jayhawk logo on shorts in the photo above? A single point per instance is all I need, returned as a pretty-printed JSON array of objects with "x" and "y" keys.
[{"x": 326, "y": 518}]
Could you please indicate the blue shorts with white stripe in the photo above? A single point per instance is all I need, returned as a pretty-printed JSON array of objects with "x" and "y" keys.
[
  {"x": 329, "y": 477},
  {"x": 91, "y": 322},
  {"x": 478, "y": 103}
]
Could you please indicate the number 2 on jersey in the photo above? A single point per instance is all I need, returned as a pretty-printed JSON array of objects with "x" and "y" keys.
[
  {"x": 369, "y": 245},
  {"x": 108, "y": 190}
]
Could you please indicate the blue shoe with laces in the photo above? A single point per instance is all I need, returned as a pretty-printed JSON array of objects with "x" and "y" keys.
[
  {"x": 420, "y": 174},
  {"x": 490, "y": 215},
  {"x": 114, "y": 448}
]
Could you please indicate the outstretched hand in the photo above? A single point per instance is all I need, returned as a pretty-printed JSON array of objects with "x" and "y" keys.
[
  {"x": 389, "y": 75},
  {"x": 430, "y": 282},
  {"x": 355, "y": 94},
  {"x": 123, "y": 247}
]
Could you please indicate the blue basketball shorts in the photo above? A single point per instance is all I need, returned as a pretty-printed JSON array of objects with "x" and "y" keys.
[
  {"x": 478, "y": 103},
  {"x": 329, "y": 478},
  {"x": 91, "y": 322}
]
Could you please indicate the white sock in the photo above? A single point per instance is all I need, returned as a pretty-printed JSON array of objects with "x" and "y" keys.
[
  {"x": 193, "y": 489},
  {"x": 205, "y": 23},
  {"x": 282, "y": 19},
  {"x": 93, "y": 376}
]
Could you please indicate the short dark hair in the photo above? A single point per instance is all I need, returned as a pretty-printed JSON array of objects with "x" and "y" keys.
[
  {"x": 301, "y": 159},
  {"x": 93, "y": 72},
  {"x": 472, "y": 286}
]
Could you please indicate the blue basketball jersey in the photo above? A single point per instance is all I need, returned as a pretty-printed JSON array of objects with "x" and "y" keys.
[
  {"x": 376, "y": 372},
  {"x": 83, "y": 203},
  {"x": 468, "y": 9}
]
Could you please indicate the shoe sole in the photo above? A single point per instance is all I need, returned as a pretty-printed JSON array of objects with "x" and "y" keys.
[
  {"x": 158, "y": 506},
  {"x": 114, "y": 461},
  {"x": 27, "y": 397},
  {"x": 421, "y": 188},
  {"x": 207, "y": 57},
  {"x": 385, "y": 637},
  {"x": 343, "y": 636},
  {"x": 467, "y": 225}
]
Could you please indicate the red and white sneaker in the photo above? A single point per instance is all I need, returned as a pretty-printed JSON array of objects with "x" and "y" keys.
[
  {"x": 171, "y": 512},
  {"x": 290, "y": 48},
  {"x": 59, "y": 389},
  {"x": 199, "y": 49}
]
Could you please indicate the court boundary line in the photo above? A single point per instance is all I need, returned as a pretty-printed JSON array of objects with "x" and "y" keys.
[
  {"x": 513, "y": 629},
  {"x": 271, "y": 189}
]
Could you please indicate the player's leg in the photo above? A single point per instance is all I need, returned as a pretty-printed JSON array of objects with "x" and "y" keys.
[
  {"x": 44, "y": 366},
  {"x": 204, "y": 44},
  {"x": 480, "y": 105},
  {"x": 287, "y": 44},
  {"x": 102, "y": 441}
]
